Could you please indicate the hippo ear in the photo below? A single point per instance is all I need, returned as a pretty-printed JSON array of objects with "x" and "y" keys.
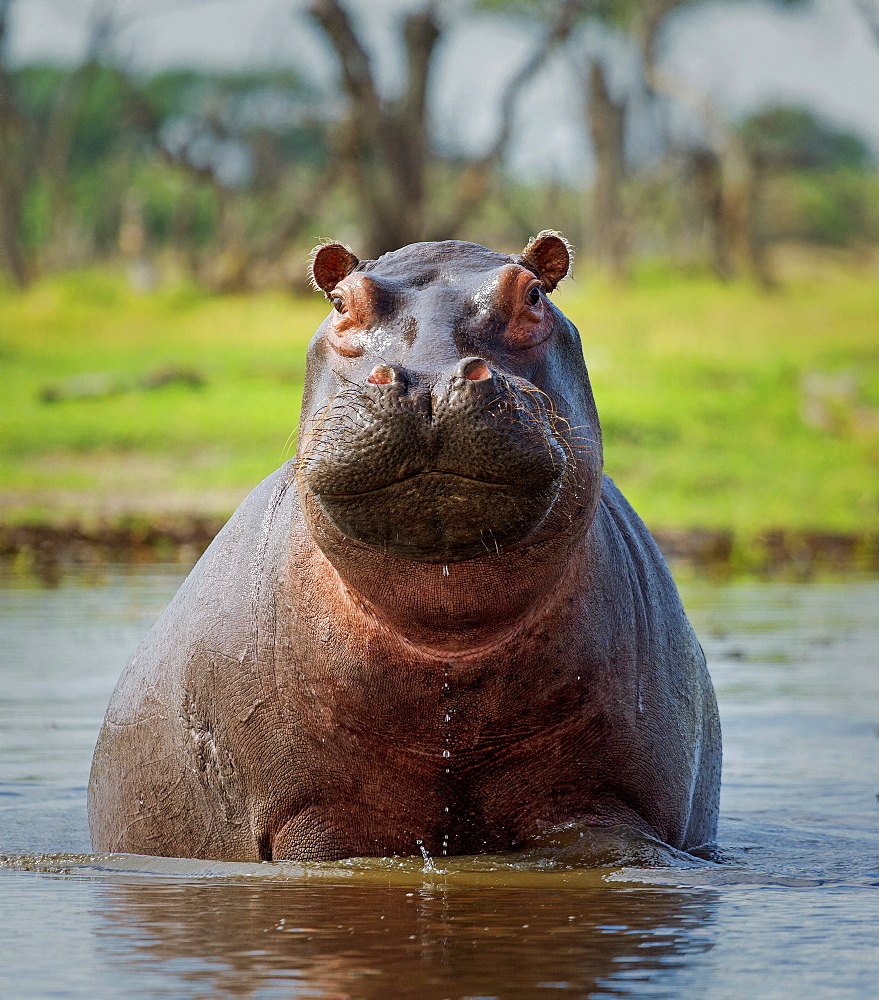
[
  {"x": 330, "y": 262},
  {"x": 549, "y": 256}
]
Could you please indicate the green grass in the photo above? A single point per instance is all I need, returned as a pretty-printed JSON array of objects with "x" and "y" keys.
[{"x": 700, "y": 389}]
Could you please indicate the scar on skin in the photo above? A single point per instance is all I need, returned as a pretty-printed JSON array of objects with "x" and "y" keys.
[
  {"x": 214, "y": 762},
  {"x": 410, "y": 330}
]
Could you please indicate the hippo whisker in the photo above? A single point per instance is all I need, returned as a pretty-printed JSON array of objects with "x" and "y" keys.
[
  {"x": 540, "y": 419},
  {"x": 288, "y": 444},
  {"x": 344, "y": 378}
]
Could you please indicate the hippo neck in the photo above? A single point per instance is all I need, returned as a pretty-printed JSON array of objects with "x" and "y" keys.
[{"x": 458, "y": 608}]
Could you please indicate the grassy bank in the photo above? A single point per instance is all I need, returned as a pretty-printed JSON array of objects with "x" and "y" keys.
[{"x": 722, "y": 408}]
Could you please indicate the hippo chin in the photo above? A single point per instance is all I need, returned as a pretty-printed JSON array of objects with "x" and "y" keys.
[{"x": 439, "y": 626}]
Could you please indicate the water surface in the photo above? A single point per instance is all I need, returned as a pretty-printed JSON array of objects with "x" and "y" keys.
[{"x": 792, "y": 909}]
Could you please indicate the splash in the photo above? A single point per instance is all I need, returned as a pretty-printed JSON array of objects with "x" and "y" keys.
[{"x": 428, "y": 860}]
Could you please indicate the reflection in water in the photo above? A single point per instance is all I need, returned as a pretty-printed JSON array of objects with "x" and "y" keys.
[{"x": 387, "y": 942}]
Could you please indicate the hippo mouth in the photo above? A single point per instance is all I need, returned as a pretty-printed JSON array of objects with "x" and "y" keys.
[
  {"x": 441, "y": 475},
  {"x": 439, "y": 516}
]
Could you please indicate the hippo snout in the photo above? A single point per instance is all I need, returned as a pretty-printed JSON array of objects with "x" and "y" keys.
[{"x": 434, "y": 467}]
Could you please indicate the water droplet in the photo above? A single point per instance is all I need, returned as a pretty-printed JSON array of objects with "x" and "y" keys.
[{"x": 428, "y": 862}]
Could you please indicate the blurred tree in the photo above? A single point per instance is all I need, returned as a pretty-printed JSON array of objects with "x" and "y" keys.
[
  {"x": 820, "y": 176},
  {"x": 386, "y": 145},
  {"x": 796, "y": 137},
  {"x": 726, "y": 181},
  {"x": 232, "y": 170},
  {"x": 18, "y": 144},
  {"x": 37, "y": 131},
  {"x": 728, "y": 177},
  {"x": 253, "y": 141},
  {"x": 85, "y": 158},
  {"x": 606, "y": 116}
]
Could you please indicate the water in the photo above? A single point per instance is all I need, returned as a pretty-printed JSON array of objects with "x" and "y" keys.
[{"x": 793, "y": 909}]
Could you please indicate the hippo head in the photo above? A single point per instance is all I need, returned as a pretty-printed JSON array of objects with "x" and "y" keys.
[{"x": 447, "y": 413}]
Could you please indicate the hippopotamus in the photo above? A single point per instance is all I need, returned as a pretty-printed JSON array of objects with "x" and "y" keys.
[{"x": 439, "y": 629}]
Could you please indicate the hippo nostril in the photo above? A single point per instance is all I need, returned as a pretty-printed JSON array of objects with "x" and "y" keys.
[
  {"x": 474, "y": 369},
  {"x": 382, "y": 375}
]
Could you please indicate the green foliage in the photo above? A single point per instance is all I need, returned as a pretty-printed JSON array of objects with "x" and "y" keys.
[
  {"x": 36, "y": 87},
  {"x": 116, "y": 128},
  {"x": 837, "y": 208},
  {"x": 799, "y": 138},
  {"x": 97, "y": 116},
  {"x": 97, "y": 133},
  {"x": 721, "y": 408},
  {"x": 162, "y": 192},
  {"x": 268, "y": 103},
  {"x": 37, "y": 215}
]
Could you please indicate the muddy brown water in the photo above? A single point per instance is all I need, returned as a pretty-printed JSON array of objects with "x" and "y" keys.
[{"x": 789, "y": 907}]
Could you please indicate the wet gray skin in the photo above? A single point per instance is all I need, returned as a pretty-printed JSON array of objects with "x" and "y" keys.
[{"x": 439, "y": 628}]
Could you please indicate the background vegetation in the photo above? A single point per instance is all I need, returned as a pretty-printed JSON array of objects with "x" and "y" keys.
[
  {"x": 721, "y": 407},
  {"x": 153, "y": 232}
]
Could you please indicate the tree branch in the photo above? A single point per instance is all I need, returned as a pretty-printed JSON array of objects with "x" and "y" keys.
[
  {"x": 421, "y": 33},
  {"x": 474, "y": 182},
  {"x": 357, "y": 78}
]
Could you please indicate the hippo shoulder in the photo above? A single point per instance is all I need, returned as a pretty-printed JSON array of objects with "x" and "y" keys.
[
  {"x": 247, "y": 540},
  {"x": 214, "y": 610},
  {"x": 632, "y": 551},
  {"x": 164, "y": 749},
  {"x": 629, "y": 527}
]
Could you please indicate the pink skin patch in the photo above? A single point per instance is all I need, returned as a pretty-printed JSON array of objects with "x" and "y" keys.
[
  {"x": 476, "y": 370},
  {"x": 381, "y": 375}
]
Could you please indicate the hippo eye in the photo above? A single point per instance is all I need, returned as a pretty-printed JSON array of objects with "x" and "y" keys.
[
  {"x": 534, "y": 295},
  {"x": 338, "y": 303}
]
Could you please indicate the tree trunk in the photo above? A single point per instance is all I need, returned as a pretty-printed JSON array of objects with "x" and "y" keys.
[
  {"x": 708, "y": 190},
  {"x": 756, "y": 236},
  {"x": 389, "y": 152},
  {"x": 15, "y": 164},
  {"x": 730, "y": 187},
  {"x": 11, "y": 252},
  {"x": 607, "y": 128}
]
